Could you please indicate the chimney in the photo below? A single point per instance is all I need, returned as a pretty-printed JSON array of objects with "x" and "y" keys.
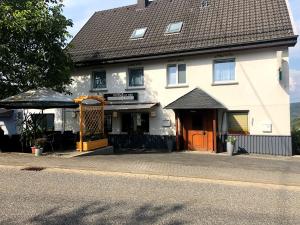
[{"x": 141, "y": 4}]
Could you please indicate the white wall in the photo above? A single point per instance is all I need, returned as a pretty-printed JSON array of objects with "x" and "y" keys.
[
  {"x": 258, "y": 88},
  {"x": 9, "y": 124},
  {"x": 58, "y": 117}
]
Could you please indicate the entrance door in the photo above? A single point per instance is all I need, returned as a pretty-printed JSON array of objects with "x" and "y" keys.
[{"x": 197, "y": 133}]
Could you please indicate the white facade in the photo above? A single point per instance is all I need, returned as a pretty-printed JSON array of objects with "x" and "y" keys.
[
  {"x": 9, "y": 124},
  {"x": 257, "y": 89}
]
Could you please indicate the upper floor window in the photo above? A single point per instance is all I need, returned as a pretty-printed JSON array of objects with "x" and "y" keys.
[
  {"x": 99, "y": 80},
  {"x": 176, "y": 74},
  {"x": 224, "y": 70},
  {"x": 138, "y": 33},
  {"x": 174, "y": 27},
  {"x": 237, "y": 122},
  {"x": 136, "y": 77}
]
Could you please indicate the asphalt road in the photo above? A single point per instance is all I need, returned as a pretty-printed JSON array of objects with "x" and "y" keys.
[{"x": 58, "y": 197}]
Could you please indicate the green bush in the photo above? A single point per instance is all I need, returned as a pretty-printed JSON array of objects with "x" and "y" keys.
[
  {"x": 296, "y": 141},
  {"x": 296, "y": 124}
]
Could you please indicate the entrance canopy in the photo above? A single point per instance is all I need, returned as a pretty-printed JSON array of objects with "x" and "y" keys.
[
  {"x": 38, "y": 99},
  {"x": 196, "y": 99},
  {"x": 128, "y": 106}
]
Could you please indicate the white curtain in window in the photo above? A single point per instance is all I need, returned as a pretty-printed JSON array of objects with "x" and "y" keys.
[
  {"x": 224, "y": 71},
  {"x": 136, "y": 77},
  {"x": 172, "y": 74}
]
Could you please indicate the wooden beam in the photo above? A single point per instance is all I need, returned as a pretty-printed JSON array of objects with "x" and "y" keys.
[
  {"x": 215, "y": 130},
  {"x": 81, "y": 128},
  {"x": 177, "y": 131}
]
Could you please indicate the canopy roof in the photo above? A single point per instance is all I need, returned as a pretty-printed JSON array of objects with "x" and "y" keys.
[
  {"x": 38, "y": 99},
  {"x": 128, "y": 106},
  {"x": 196, "y": 99}
]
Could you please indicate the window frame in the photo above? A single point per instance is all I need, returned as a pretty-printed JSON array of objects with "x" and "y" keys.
[
  {"x": 42, "y": 119},
  {"x": 132, "y": 116},
  {"x": 93, "y": 81},
  {"x": 128, "y": 78},
  {"x": 177, "y": 75},
  {"x": 108, "y": 115},
  {"x": 133, "y": 37},
  {"x": 215, "y": 61},
  {"x": 238, "y": 132},
  {"x": 168, "y": 32}
]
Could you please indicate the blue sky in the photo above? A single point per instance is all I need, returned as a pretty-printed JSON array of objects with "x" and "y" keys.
[{"x": 81, "y": 10}]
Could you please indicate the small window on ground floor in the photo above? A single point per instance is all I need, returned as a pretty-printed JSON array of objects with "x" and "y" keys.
[
  {"x": 45, "y": 122},
  {"x": 237, "y": 122},
  {"x": 137, "y": 123},
  {"x": 108, "y": 123}
]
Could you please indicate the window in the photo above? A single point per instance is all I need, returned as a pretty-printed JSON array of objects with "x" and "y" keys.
[
  {"x": 108, "y": 123},
  {"x": 138, "y": 33},
  {"x": 176, "y": 74},
  {"x": 174, "y": 27},
  {"x": 137, "y": 123},
  {"x": 237, "y": 122},
  {"x": 136, "y": 77},
  {"x": 224, "y": 70},
  {"x": 197, "y": 121},
  {"x": 99, "y": 80},
  {"x": 44, "y": 122},
  {"x": 204, "y": 3},
  {"x": 126, "y": 122}
]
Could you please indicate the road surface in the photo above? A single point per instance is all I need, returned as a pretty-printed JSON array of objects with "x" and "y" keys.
[{"x": 57, "y": 196}]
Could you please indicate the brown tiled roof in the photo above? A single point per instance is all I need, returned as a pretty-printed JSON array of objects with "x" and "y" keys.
[{"x": 106, "y": 36}]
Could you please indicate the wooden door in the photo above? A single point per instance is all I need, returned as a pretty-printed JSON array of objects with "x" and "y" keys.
[{"x": 197, "y": 132}]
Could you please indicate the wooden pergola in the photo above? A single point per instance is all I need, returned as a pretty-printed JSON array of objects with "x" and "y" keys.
[{"x": 91, "y": 123}]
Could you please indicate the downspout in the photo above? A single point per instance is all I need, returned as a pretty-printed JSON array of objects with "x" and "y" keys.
[{"x": 222, "y": 123}]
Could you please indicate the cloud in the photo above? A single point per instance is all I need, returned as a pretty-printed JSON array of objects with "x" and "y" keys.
[{"x": 295, "y": 85}]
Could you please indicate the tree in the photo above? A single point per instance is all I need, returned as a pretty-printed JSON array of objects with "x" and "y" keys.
[{"x": 33, "y": 40}]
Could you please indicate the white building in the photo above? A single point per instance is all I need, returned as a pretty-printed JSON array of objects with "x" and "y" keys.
[{"x": 189, "y": 72}]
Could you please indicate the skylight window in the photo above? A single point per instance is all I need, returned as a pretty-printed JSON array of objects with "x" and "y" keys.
[
  {"x": 139, "y": 33},
  {"x": 204, "y": 3},
  {"x": 174, "y": 27}
]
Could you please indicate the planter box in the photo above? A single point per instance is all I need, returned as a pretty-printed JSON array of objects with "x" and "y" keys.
[{"x": 92, "y": 145}]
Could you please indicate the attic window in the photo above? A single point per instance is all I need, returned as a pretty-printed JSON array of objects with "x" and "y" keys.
[
  {"x": 139, "y": 33},
  {"x": 174, "y": 27}
]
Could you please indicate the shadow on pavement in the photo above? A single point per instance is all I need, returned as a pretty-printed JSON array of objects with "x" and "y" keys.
[{"x": 103, "y": 213}]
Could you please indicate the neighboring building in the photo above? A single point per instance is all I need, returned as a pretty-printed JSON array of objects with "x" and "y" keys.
[{"x": 189, "y": 72}]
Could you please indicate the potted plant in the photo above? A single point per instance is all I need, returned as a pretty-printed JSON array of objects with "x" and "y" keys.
[
  {"x": 230, "y": 144},
  {"x": 39, "y": 146},
  {"x": 33, "y": 148}
]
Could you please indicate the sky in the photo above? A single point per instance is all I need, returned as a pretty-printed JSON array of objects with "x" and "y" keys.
[{"x": 81, "y": 10}]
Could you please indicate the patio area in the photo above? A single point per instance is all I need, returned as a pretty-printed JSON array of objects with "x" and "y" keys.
[{"x": 34, "y": 135}]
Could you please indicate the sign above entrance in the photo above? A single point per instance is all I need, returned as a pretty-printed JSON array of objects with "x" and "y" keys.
[{"x": 121, "y": 97}]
